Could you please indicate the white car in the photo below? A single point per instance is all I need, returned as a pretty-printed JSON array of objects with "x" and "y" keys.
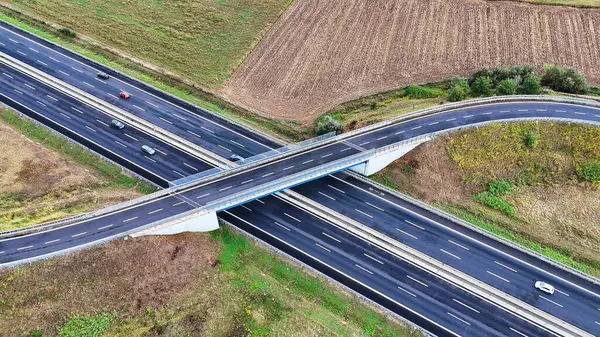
[{"x": 545, "y": 287}]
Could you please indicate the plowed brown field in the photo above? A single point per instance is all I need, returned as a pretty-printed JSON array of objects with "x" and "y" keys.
[{"x": 322, "y": 53}]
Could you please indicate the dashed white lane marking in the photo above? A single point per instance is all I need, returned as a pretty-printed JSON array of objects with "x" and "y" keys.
[
  {"x": 282, "y": 226},
  {"x": 66, "y": 116},
  {"x": 2, "y": 252},
  {"x": 139, "y": 108},
  {"x": 268, "y": 174},
  {"x": 417, "y": 127},
  {"x": 359, "y": 211},
  {"x": 370, "y": 204},
  {"x": 7, "y": 75},
  {"x": 165, "y": 120},
  {"x": 415, "y": 225},
  {"x": 81, "y": 71},
  {"x": 500, "y": 277},
  {"x": 551, "y": 301},
  {"x": 190, "y": 166},
  {"x": 346, "y": 149},
  {"x": 101, "y": 122},
  {"x": 74, "y": 109},
  {"x": 519, "y": 332},
  {"x": 22, "y": 53},
  {"x": 412, "y": 236},
  {"x": 541, "y": 110},
  {"x": 3, "y": 45},
  {"x": 380, "y": 138},
  {"x": 247, "y": 208},
  {"x": 179, "y": 203},
  {"x": 53, "y": 59},
  {"x": 64, "y": 73},
  {"x": 505, "y": 266},
  {"x": 111, "y": 95},
  {"x": 129, "y": 136},
  {"x": 559, "y": 110},
  {"x": 51, "y": 241},
  {"x": 52, "y": 98},
  {"x": 327, "y": 155},
  {"x": 179, "y": 173},
  {"x": 152, "y": 104},
  {"x": 468, "y": 116},
  {"x": 406, "y": 291},
  {"x": 486, "y": 113},
  {"x": 159, "y": 151},
  {"x": 150, "y": 159},
  {"x": 456, "y": 244},
  {"x": 130, "y": 219},
  {"x": 331, "y": 237},
  {"x": 28, "y": 86},
  {"x": 287, "y": 168},
  {"x": 14, "y": 41},
  {"x": 78, "y": 234},
  {"x": 434, "y": 123},
  {"x": 209, "y": 130},
  {"x": 399, "y": 132},
  {"x": 419, "y": 282},
  {"x": 87, "y": 127},
  {"x": 223, "y": 147},
  {"x": 19, "y": 92},
  {"x": 337, "y": 189},
  {"x": 580, "y": 113},
  {"x": 450, "y": 119},
  {"x": 291, "y": 217},
  {"x": 597, "y": 322},
  {"x": 363, "y": 268},
  {"x": 324, "y": 248},
  {"x": 41, "y": 103},
  {"x": 466, "y": 306},
  {"x": 88, "y": 84},
  {"x": 327, "y": 196},
  {"x": 308, "y": 161},
  {"x": 447, "y": 252},
  {"x": 365, "y": 143},
  {"x": 460, "y": 319},
  {"x": 262, "y": 202},
  {"x": 562, "y": 292},
  {"x": 236, "y": 143},
  {"x": 105, "y": 227},
  {"x": 523, "y": 110},
  {"x": 372, "y": 258},
  {"x": 123, "y": 145},
  {"x": 155, "y": 211},
  {"x": 99, "y": 80},
  {"x": 26, "y": 247},
  {"x": 504, "y": 111},
  {"x": 225, "y": 188},
  {"x": 247, "y": 181},
  {"x": 193, "y": 133}
]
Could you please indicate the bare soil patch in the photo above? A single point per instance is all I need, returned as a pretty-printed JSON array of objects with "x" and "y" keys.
[{"x": 322, "y": 53}]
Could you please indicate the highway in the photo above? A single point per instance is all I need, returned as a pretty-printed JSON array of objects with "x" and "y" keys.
[{"x": 373, "y": 217}]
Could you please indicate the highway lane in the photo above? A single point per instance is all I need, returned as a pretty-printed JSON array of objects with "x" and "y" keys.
[
  {"x": 91, "y": 127},
  {"x": 196, "y": 125}
]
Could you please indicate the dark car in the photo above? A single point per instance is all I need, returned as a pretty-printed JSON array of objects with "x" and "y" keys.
[
  {"x": 103, "y": 75},
  {"x": 236, "y": 157},
  {"x": 117, "y": 124}
]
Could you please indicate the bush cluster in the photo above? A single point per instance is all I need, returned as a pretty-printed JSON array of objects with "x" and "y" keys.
[
  {"x": 68, "y": 32},
  {"x": 499, "y": 187},
  {"x": 532, "y": 139},
  {"x": 459, "y": 90},
  {"x": 328, "y": 124},
  {"x": 589, "y": 171},
  {"x": 493, "y": 196},
  {"x": 564, "y": 80},
  {"x": 414, "y": 91}
]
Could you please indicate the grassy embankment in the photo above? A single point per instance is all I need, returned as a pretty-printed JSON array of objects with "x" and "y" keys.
[
  {"x": 190, "y": 285},
  {"x": 56, "y": 179},
  {"x": 549, "y": 200},
  {"x": 194, "y": 73}
]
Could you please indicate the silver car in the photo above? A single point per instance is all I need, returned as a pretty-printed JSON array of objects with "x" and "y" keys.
[
  {"x": 545, "y": 287},
  {"x": 147, "y": 149}
]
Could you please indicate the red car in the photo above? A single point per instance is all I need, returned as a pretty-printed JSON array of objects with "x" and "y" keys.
[{"x": 124, "y": 94}]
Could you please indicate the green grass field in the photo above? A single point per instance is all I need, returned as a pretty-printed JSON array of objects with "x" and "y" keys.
[{"x": 204, "y": 40}]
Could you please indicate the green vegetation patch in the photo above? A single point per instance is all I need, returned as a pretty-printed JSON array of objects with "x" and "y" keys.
[{"x": 86, "y": 326}]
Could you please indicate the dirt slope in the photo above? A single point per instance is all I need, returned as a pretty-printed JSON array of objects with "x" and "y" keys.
[{"x": 321, "y": 53}]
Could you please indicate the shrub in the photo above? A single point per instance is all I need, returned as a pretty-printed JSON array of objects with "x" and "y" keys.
[
  {"x": 459, "y": 90},
  {"x": 495, "y": 202},
  {"x": 482, "y": 86},
  {"x": 532, "y": 139},
  {"x": 328, "y": 124},
  {"x": 88, "y": 326},
  {"x": 68, "y": 32},
  {"x": 420, "y": 92},
  {"x": 589, "y": 171},
  {"x": 564, "y": 80},
  {"x": 506, "y": 87},
  {"x": 36, "y": 333},
  {"x": 531, "y": 85},
  {"x": 499, "y": 187}
]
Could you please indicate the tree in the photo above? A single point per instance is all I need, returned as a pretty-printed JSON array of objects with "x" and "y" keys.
[
  {"x": 328, "y": 124},
  {"x": 482, "y": 86},
  {"x": 506, "y": 87},
  {"x": 459, "y": 90},
  {"x": 531, "y": 85},
  {"x": 565, "y": 80}
]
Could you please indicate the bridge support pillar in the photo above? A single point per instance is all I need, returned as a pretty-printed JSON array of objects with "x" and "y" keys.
[
  {"x": 200, "y": 222},
  {"x": 376, "y": 164}
]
